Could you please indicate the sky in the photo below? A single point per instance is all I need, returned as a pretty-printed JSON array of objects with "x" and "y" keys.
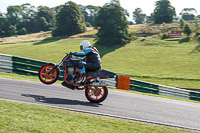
[{"x": 147, "y": 6}]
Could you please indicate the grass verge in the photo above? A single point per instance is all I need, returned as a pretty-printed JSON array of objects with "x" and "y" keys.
[{"x": 21, "y": 117}]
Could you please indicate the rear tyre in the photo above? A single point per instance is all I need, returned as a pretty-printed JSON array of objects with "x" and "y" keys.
[
  {"x": 48, "y": 78},
  {"x": 96, "y": 94}
]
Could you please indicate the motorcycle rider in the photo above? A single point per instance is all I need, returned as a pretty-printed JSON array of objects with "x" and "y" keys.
[{"x": 92, "y": 60}]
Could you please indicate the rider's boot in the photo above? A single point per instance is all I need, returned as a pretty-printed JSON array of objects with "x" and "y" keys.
[{"x": 82, "y": 73}]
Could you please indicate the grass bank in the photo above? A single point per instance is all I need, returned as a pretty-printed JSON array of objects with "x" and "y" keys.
[
  {"x": 162, "y": 62},
  {"x": 21, "y": 117}
]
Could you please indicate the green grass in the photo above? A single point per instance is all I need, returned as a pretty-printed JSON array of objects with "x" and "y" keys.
[
  {"x": 20, "y": 117},
  {"x": 17, "y": 76},
  {"x": 157, "y": 61},
  {"x": 153, "y": 60}
]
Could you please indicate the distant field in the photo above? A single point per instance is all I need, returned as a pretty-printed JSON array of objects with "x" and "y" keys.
[
  {"x": 160, "y": 28},
  {"x": 153, "y": 60}
]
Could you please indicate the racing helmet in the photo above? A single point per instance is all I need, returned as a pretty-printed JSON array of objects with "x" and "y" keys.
[{"x": 84, "y": 45}]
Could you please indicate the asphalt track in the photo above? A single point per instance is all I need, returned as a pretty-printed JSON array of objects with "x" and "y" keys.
[{"x": 118, "y": 104}]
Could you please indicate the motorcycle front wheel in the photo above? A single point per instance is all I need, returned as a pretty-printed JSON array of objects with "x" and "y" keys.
[
  {"x": 48, "y": 78},
  {"x": 96, "y": 94}
]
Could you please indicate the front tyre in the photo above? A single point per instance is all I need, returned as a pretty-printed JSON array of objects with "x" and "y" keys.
[
  {"x": 96, "y": 94},
  {"x": 48, "y": 78}
]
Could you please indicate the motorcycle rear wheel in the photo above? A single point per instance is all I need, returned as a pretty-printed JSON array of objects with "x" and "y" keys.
[
  {"x": 96, "y": 94},
  {"x": 48, "y": 78}
]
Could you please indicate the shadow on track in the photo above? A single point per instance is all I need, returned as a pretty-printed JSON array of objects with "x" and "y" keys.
[{"x": 43, "y": 99}]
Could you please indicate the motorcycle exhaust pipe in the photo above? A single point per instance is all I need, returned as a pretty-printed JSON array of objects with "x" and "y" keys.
[{"x": 99, "y": 84}]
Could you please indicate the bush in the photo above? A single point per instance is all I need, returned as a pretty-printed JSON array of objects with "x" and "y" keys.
[
  {"x": 134, "y": 38},
  {"x": 88, "y": 24},
  {"x": 198, "y": 38},
  {"x": 197, "y": 33},
  {"x": 186, "y": 39},
  {"x": 182, "y": 23},
  {"x": 22, "y": 31},
  {"x": 164, "y": 36},
  {"x": 187, "y": 30}
]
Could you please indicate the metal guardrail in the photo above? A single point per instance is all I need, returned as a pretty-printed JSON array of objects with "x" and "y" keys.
[
  {"x": 15, "y": 64},
  {"x": 25, "y": 66},
  {"x": 111, "y": 82},
  {"x": 147, "y": 87}
]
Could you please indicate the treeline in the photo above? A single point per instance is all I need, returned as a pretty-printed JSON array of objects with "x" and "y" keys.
[
  {"x": 25, "y": 18},
  {"x": 164, "y": 12}
]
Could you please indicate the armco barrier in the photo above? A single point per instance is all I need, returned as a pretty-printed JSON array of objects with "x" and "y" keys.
[
  {"x": 25, "y": 66},
  {"x": 15, "y": 64},
  {"x": 146, "y": 87},
  {"x": 111, "y": 82},
  {"x": 143, "y": 86},
  {"x": 20, "y": 65}
]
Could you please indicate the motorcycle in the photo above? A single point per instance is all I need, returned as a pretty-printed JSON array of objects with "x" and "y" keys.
[{"x": 95, "y": 89}]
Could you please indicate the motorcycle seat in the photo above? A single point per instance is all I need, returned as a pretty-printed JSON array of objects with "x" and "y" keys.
[{"x": 101, "y": 73}]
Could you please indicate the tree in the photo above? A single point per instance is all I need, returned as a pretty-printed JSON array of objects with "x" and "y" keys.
[
  {"x": 182, "y": 23},
  {"x": 4, "y": 26},
  {"x": 187, "y": 30},
  {"x": 93, "y": 11},
  {"x": 48, "y": 14},
  {"x": 89, "y": 12},
  {"x": 21, "y": 16},
  {"x": 149, "y": 19},
  {"x": 14, "y": 15},
  {"x": 69, "y": 21},
  {"x": 11, "y": 30},
  {"x": 22, "y": 31},
  {"x": 188, "y": 17},
  {"x": 112, "y": 24},
  {"x": 188, "y": 14},
  {"x": 23, "y": 19},
  {"x": 28, "y": 11},
  {"x": 138, "y": 16},
  {"x": 28, "y": 14},
  {"x": 43, "y": 20},
  {"x": 197, "y": 22},
  {"x": 163, "y": 12}
]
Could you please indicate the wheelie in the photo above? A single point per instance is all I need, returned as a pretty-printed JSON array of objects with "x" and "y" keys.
[{"x": 80, "y": 73}]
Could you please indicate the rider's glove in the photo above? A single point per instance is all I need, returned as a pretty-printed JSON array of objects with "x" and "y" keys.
[{"x": 74, "y": 53}]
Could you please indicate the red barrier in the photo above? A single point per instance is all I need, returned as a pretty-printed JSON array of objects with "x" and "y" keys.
[
  {"x": 174, "y": 34},
  {"x": 123, "y": 82}
]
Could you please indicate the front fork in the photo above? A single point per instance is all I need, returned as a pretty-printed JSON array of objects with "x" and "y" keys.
[{"x": 58, "y": 65}]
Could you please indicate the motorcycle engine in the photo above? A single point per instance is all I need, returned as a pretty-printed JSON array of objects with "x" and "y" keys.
[
  {"x": 72, "y": 75},
  {"x": 70, "y": 70}
]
